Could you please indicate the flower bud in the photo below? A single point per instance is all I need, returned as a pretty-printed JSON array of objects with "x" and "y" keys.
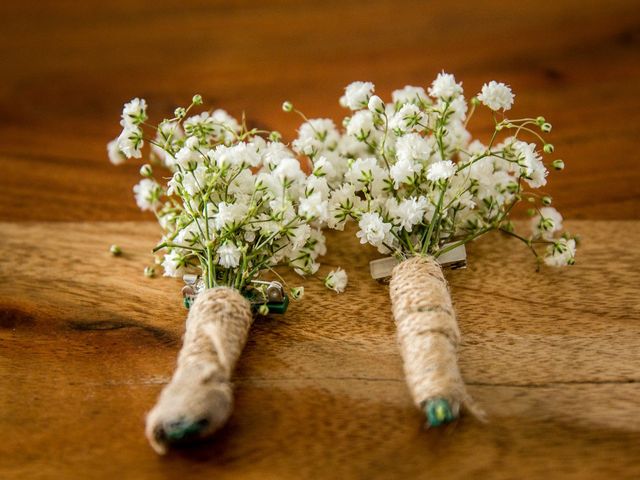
[
  {"x": 558, "y": 164},
  {"x": 475, "y": 101},
  {"x": 376, "y": 104},
  {"x": 287, "y": 106},
  {"x": 297, "y": 293},
  {"x": 548, "y": 148},
  {"x": 115, "y": 250},
  {"x": 545, "y": 127},
  {"x": 275, "y": 136},
  {"x": 546, "y": 200},
  {"x": 540, "y": 121},
  {"x": 146, "y": 171},
  {"x": 180, "y": 112},
  {"x": 263, "y": 310},
  {"x": 149, "y": 272},
  {"x": 531, "y": 212},
  {"x": 197, "y": 99}
]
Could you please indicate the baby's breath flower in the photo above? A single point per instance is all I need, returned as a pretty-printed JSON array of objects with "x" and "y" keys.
[
  {"x": 441, "y": 170},
  {"x": 146, "y": 170},
  {"x": 134, "y": 113},
  {"x": 229, "y": 255},
  {"x": 496, "y": 96},
  {"x": 115, "y": 154},
  {"x": 561, "y": 253},
  {"x": 149, "y": 272},
  {"x": 409, "y": 94},
  {"x": 297, "y": 293},
  {"x": 130, "y": 141},
  {"x": 147, "y": 194},
  {"x": 546, "y": 223},
  {"x": 356, "y": 95},
  {"x": 287, "y": 107},
  {"x": 373, "y": 229},
  {"x": 445, "y": 87},
  {"x": 115, "y": 250},
  {"x": 414, "y": 179},
  {"x": 376, "y": 104},
  {"x": 236, "y": 204},
  {"x": 336, "y": 280}
]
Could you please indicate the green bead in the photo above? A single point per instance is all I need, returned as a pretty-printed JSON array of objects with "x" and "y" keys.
[
  {"x": 279, "y": 307},
  {"x": 438, "y": 412},
  {"x": 183, "y": 430}
]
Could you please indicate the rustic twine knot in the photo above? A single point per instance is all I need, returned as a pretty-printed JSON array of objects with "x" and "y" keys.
[
  {"x": 428, "y": 337},
  {"x": 199, "y": 399}
]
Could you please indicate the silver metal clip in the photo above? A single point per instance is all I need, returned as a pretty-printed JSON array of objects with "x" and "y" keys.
[{"x": 455, "y": 258}]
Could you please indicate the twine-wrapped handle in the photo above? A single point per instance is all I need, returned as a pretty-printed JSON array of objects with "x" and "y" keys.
[
  {"x": 199, "y": 398},
  {"x": 428, "y": 337}
]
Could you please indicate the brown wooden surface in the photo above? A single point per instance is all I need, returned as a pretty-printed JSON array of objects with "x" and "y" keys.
[
  {"x": 67, "y": 67},
  {"x": 86, "y": 341}
]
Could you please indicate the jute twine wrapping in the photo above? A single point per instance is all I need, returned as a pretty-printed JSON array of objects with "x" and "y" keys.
[
  {"x": 200, "y": 392},
  {"x": 428, "y": 334}
]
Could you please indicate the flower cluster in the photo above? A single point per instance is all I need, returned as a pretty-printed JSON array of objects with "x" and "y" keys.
[
  {"x": 417, "y": 183},
  {"x": 237, "y": 201}
]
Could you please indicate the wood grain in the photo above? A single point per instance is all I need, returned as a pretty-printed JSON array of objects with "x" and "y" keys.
[
  {"x": 67, "y": 68},
  {"x": 87, "y": 342}
]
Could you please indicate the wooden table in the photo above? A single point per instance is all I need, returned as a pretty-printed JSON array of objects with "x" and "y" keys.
[{"x": 86, "y": 341}]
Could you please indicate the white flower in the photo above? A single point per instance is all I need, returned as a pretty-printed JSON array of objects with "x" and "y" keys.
[
  {"x": 243, "y": 183},
  {"x": 408, "y": 118},
  {"x": 229, "y": 255},
  {"x": 341, "y": 202},
  {"x": 245, "y": 154},
  {"x": 134, "y": 112},
  {"x": 130, "y": 141},
  {"x": 314, "y": 208},
  {"x": 224, "y": 125},
  {"x": 376, "y": 104},
  {"x": 187, "y": 157},
  {"x": 147, "y": 194},
  {"x": 458, "y": 108},
  {"x": 194, "y": 181},
  {"x": 403, "y": 170},
  {"x": 273, "y": 152},
  {"x": 318, "y": 184},
  {"x": 300, "y": 235},
  {"x": 561, "y": 253},
  {"x": 229, "y": 214},
  {"x": 366, "y": 172},
  {"x": 218, "y": 126},
  {"x": 441, "y": 170},
  {"x": 496, "y": 96},
  {"x": 356, "y": 95},
  {"x": 445, "y": 86},
  {"x": 373, "y": 229},
  {"x": 361, "y": 125},
  {"x": 115, "y": 155},
  {"x": 408, "y": 212},
  {"x": 409, "y": 94},
  {"x": 336, "y": 280},
  {"x": 315, "y": 136},
  {"x": 173, "y": 264},
  {"x": 413, "y": 148},
  {"x": 533, "y": 169},
  {"x": 547, "y": 223}
]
